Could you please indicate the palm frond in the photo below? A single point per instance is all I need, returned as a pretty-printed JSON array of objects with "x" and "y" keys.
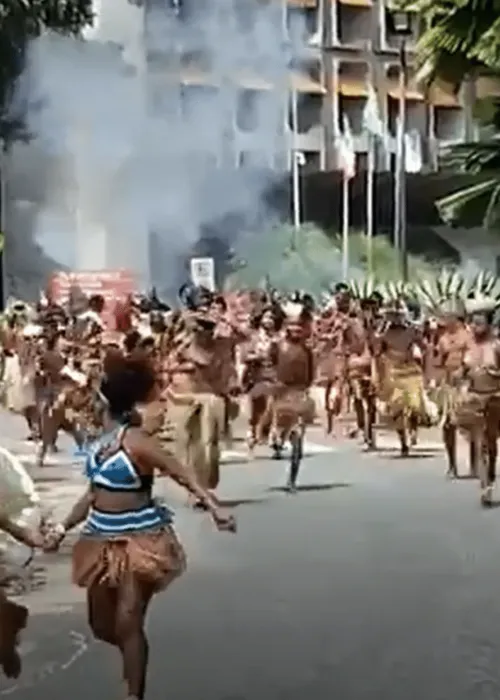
[
  {"x": 459, "y": 36},
  {"x": 473, "y": 158},
  {"x": 471, "y": 206}
]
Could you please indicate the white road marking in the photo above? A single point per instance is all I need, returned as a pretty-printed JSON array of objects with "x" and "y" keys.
[
  {"x": 392, "y": 444},
  {"x": 79, "y": 645},
  {"x": 51, "y": 460},
  {"x": 310, "y": 449}
]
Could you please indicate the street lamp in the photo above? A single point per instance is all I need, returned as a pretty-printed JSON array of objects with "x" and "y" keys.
[{"x": 401, "y": 24}]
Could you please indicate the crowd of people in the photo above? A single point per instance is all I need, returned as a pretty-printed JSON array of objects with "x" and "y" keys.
[{"x": 159, "y": 394}]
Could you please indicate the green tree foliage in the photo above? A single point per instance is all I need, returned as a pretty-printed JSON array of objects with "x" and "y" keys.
[
  {"x": 478, "y": 204},
  {"x": 20, "y": 21},
  {"x": 309, "y": 259},
  {"x": 461, "y": 39}
]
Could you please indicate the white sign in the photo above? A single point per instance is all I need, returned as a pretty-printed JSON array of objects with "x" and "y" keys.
[{"x": 203, "y": 273}]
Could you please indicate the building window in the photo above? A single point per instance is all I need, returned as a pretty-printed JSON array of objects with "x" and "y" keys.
[
  {"x": 247, "y": 112},
  {"x": 355, "y": 25},
  {"x": 252, "y": 159},
  {"x": 196, "y": 100},
  {"x": 245, "y": 12},
  {"x": 312, "y": 162},
  {"x": 449, "y": 124},
  {"x": 302, "y": 24}
]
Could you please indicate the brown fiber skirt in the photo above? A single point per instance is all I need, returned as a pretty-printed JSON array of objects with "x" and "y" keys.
[{"x": 156, "y": 558}]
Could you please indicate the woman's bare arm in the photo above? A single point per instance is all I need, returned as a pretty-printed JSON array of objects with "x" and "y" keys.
[
  {"x": 149, "y": 450},
  {"x": 79, "y": 511}
]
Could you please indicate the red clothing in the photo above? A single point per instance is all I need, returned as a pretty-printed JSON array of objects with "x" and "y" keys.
[{"x": 123, "y": 317}]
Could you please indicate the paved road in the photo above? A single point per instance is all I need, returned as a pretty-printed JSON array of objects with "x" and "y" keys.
[{"x": 379, "y": 580}]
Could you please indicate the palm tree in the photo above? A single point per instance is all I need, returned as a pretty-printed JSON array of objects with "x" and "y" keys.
[
  {"x": 461, "y": 39},
  {"x": 21, "y": 21}
]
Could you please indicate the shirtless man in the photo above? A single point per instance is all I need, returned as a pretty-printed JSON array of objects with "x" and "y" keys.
[
  {"x": 51, "y": 406},
  {"x": 228, "y": 334},
  {"x": 400, "y": 351},
  {"x": 358, "y": 368},
  {"x": 452, "y": 346},
  {"x": 291, "y": 407},
  {"x": 331, "y": 353},
  {"x": 482, "y": 365},
  {"x": 194, "y": 403},
  {"x": 259, "y": 373}
]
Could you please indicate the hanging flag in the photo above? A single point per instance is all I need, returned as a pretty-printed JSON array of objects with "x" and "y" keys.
[
  {"x": 413, "y": 152},
  {"x": 372, "y": 121},
  {"x": 345, "y": 150},
  {"x": 300, "y": 158}
]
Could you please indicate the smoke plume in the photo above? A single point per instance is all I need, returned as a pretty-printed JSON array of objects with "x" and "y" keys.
[{"x": 134, "y": 151}]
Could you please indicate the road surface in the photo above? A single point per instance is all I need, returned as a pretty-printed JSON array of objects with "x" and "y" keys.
[{"x": 378, "y": 580}]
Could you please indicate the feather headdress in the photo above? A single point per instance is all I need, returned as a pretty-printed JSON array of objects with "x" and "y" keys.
[
  {"x": 451, "y": 286},
  {"x": 481, "y": 304},
  {"x": 293, "y": 310}
]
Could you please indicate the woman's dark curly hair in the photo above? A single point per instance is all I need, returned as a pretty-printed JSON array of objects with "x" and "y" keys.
[
  {"x": 276, "y": 311},
  {"x": 128, "y": 381}
]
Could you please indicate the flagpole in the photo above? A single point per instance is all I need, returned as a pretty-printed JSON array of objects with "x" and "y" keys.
[
  {"x": 399, "y": 184},
  {"x": 375, "y": 131},
  {"x": 345, "y": 226},
  {"x": 402, "y": 165},
  {"x": 370, "y": 185},
  {"x": 295, "y": 164}
]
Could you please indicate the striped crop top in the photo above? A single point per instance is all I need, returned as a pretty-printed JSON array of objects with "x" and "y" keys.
[{"x": 109, "y": 467}]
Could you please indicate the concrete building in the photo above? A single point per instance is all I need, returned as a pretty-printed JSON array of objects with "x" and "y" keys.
[{"x": 350, "y": 45}]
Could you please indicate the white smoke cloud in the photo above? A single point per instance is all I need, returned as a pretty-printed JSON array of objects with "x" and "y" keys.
[{"x": 131, "y": 152}]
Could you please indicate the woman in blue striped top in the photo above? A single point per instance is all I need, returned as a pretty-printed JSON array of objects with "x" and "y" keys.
[{"x": 128, "y": 549}]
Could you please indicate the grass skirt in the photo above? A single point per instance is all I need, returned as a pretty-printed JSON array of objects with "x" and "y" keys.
[
  {"x": 198, "y": 424},
  {"x": 156, "y": 558},
  {"x": 291, "y": 409},
  {"x": 448, "y": 397},
  {"x": 405, "y": 392},
  {"x": 476, "y": 410}
]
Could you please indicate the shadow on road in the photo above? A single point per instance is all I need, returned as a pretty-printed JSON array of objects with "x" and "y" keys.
[
  {"x": 416, "y": 451},
  {"x": 49, "y": 479},
  {"x": 312, "y": 487},
  {"x": 235, "y": 502},
  {"x": 234, "y": 461},
  {"x": 492, "y": 506},
  {"x": 396, "y": 455}
]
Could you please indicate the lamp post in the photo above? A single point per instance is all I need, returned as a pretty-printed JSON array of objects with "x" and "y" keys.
[
  {"x": 401, "y": 26},
  {"x": 298, "y": 160}
]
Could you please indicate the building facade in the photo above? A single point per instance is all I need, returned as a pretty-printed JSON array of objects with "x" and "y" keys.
[{"x": 345, "y": 45}]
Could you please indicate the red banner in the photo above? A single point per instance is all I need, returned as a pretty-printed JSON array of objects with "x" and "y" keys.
[{"x": 113, "y": 285}]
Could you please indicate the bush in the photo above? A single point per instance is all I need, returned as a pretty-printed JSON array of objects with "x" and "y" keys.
[{"x": 309, "y": 259}]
